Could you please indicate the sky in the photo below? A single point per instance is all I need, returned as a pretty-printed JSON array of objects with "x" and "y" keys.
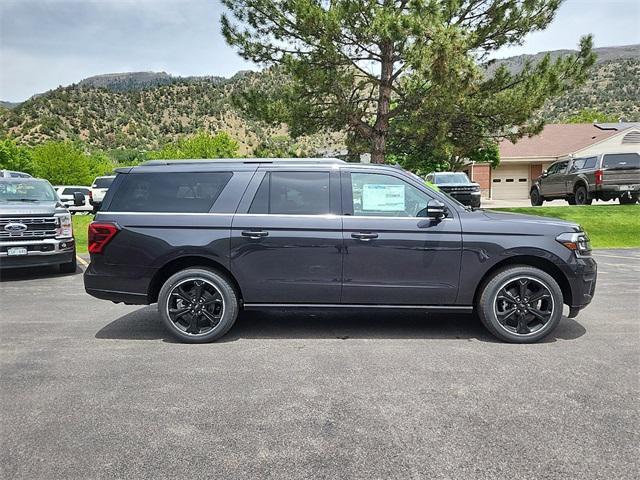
[{"x": 47, "y": 43}]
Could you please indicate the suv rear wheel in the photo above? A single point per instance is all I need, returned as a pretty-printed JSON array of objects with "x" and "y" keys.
[
  {"x": 198, "y": 305},
  {"x": 520, "y": 304}
]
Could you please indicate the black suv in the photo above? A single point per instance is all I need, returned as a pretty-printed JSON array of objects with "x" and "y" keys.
[{"x": 205, "y": 239}]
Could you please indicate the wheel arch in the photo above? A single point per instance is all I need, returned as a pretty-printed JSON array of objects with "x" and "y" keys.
[
  {"x": 530, "y": 261},
  {"x": 188, "y": 261},
  {"x": 581, "y": 182}
]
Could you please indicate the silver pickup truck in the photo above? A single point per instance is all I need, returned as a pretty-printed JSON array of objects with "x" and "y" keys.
[
  {"x": 582, "y": 180},
  {"x": 35, "y": 227}
]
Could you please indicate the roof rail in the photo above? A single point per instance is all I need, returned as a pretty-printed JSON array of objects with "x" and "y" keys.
[{"x": 242, "y": 160}]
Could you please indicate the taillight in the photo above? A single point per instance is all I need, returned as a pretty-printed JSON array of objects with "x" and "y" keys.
[
  {"x": 598, "y": 175},
  {"x": 100, "y": 234}
]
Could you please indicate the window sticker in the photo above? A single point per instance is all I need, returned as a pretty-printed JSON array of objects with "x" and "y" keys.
[{"x": 383, "y": 198}]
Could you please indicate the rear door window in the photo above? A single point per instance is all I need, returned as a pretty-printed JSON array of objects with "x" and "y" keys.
[
  {"x": 171, "y": 192},
  {"x": 103, "y": 182},
  {"x": 293, "y": 193},
  {"x": 621, "y": 161}
]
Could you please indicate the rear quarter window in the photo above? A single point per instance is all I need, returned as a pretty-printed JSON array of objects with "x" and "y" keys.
[
  {"x": 621, "y": 160},
  {"x": 169, "y": 192}
]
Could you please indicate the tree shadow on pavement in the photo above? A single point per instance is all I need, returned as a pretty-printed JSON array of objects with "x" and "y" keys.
[
  {"x": 34, "y": 273},
  {"x": 145, "y": 324}
]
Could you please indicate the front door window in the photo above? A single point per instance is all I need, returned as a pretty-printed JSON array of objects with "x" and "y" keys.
[{"x": 382, "y": 195}]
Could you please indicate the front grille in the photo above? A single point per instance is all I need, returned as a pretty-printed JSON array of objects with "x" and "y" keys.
[
  {"x": 458, "y": 189},
  {"x": 37, "y": 227}
]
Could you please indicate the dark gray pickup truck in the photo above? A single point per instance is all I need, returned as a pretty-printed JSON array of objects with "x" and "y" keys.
[{"x": 581, "y": 180}]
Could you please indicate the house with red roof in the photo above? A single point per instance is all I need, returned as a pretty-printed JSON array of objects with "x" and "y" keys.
[{"x": 522, "y": 162}]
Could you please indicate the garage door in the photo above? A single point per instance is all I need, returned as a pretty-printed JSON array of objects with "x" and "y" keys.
[{"x": 510, "y": 182}]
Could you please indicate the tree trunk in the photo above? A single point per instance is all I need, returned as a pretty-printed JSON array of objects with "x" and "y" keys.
[
  {"x": 378, "y": 147},
  {"x": 381, "y": 127}
]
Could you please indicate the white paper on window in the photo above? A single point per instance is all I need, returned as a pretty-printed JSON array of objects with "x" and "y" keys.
[{"x": 383, "y": 198}]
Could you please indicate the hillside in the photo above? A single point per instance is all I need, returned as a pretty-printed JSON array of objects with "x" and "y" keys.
[{"x": 143, "y": 110}]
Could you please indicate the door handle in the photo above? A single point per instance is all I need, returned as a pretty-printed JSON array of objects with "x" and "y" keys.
[
  {"x": 254, "y": 234},
  {"x": 365, "y": 237}
]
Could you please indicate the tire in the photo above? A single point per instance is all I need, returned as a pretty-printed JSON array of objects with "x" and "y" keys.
[
  {"x": 536, "y": 198},
  {"x": 571, "y": 200},
  {"x": 581, "y": 196},
  {"x": 198, "y": 316},
  {"x": 628, "y": 200},
  {"x": 71, "y": 266},
  {"x": 509, "y": 324}
]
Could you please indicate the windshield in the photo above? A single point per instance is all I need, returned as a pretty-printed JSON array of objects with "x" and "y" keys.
[
  {"x": 458, "y": 177},
  {"x": 27, "y": 191},
  {"x": 103, "y": 182},
  {"x": 622, "y": 160}
]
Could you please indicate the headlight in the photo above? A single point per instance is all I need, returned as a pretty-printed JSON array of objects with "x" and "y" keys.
[
  {"x": 578, "y": 242},
  {"x": 65, "y": 227},
  {"x": 476, "y": 188}
]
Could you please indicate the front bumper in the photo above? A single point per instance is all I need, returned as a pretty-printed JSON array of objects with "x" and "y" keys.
[
  {"x": 582, "y": 279},
  {"x": 40, "y": 253}
]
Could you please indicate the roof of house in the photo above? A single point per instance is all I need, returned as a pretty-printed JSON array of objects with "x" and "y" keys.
[{"x": 559, "y": 139}]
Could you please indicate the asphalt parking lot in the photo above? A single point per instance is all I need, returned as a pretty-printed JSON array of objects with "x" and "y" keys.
[{"x": 96, "y": 390}]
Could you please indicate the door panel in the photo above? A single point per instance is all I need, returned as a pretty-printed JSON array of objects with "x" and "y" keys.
[
  {"x": 289, "y": 257},
  {"x": 403, "y": 260}
]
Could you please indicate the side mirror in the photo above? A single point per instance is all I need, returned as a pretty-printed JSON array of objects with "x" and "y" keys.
[
  {"x": 78, "y": 199},
  {"x": 544, "y": 174},
  {"x": 436, "y": 209}
]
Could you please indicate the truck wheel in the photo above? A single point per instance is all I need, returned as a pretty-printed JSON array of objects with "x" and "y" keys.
[
  {"x": 198, "y": 305},
  {"x": 581, "y": 196},
  {"x": 571, "y": 200},
  {"x": 628, "y": 200},
  {"x": 69, "y": 267},
  {"x": 520, "y": 304},
  {"x": 536, "y": 198}
]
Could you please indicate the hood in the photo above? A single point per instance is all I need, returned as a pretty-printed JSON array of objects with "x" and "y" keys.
[
  {"x": 31, "y": 208},
  {"x": 533, "y": 222}
]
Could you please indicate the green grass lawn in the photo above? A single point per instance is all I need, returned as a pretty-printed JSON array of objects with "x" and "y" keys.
[
  {"x": 80, "y": 223},
  {"x": 608, "y": 226}
]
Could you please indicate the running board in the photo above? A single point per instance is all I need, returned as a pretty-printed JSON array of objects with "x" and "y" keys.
[{"x": 435, "y": 308}]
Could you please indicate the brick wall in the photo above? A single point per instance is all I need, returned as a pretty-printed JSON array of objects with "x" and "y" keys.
[
  {"x": 481, "y": 173},
  {"x": 536, "y": 171}
]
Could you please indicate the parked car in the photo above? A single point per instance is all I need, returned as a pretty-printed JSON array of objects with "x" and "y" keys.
[
  {"x": 66, "y": 194},
  {"x": 581, "y": 180},
  {"x": 13, "y": 174},
  {"x": 99, "y": 189},
  {"x": 458, "y": 185},
  {"x": 205, "y": 239},
  {"x": 35, "y": 228}
]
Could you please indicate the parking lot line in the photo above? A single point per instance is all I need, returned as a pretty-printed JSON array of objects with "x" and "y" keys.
[{"x": 82, "y": 261}]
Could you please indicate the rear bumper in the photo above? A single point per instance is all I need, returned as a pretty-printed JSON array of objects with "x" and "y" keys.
[
  {"x": 118, "y": 283},
  {"x": 40, "y": 253}
]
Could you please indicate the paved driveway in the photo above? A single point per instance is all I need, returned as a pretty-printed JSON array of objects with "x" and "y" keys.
[{"x": 96, "y": 390}]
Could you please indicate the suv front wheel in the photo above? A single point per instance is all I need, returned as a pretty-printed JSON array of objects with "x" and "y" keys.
[
  {"x": 520, "y": 304},
  {"x": 536, "y": 198},
  {"x": 198, "y": 305}
]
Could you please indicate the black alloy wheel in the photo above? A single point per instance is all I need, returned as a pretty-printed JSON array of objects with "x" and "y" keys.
[
  {"x": 195, "y": 306},
  {"x": 524, "y": 305},
  {"x": 198, "y": 305},
  {"x": 520, "y": 304}
]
